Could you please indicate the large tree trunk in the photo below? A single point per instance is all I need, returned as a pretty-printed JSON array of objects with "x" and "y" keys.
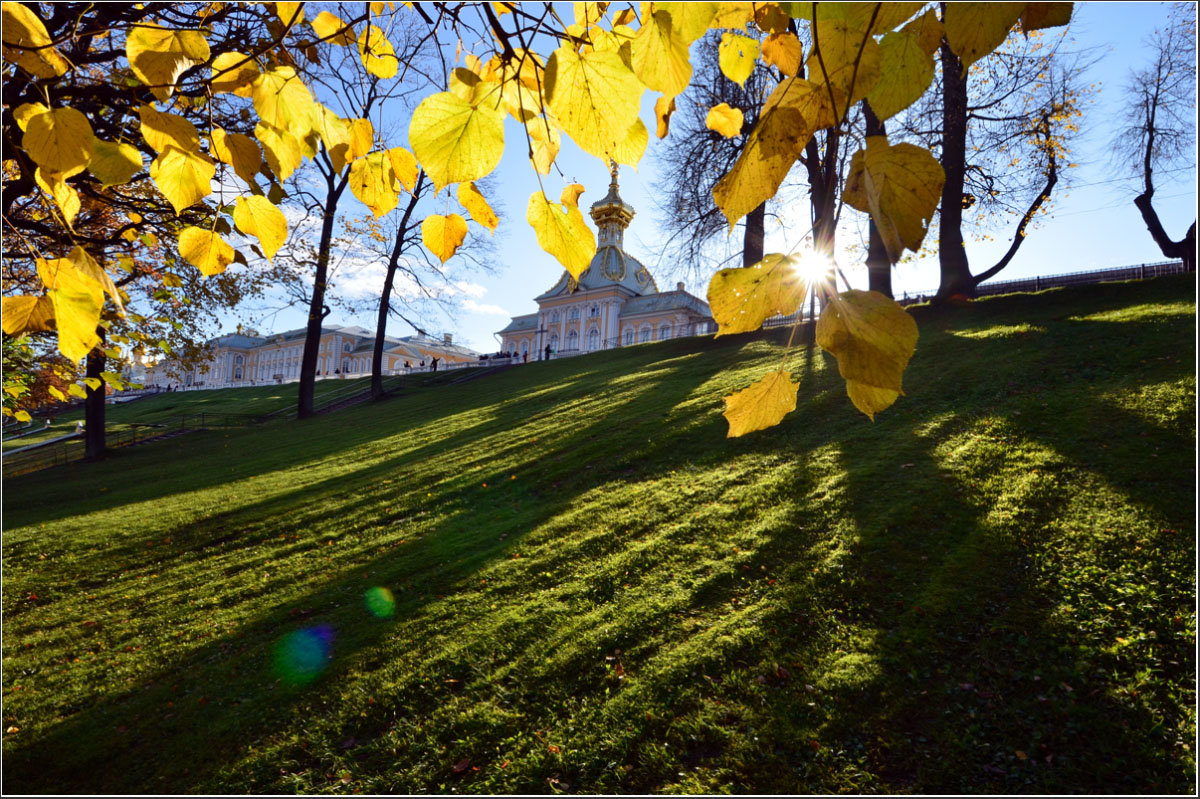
[
  {"x": 879, "y": 266},
  {"x": 93, "y": 405},
  {"x": 385, "y": 300},
  {"x": 952, "y": 254},
  {"x": 316, "y": 306},
  {"x": 752, "y": 241}
]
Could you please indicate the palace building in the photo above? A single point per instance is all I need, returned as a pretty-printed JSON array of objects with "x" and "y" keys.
[
  {"x": 246, "y": 358},
  {"x": 614, "y": 303}
]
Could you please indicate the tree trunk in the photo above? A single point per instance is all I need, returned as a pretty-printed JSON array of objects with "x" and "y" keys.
[
  {"x": 1185, "y": 249},
  {"x": 316, "y": 306},
  {"x": 952, "y": 254},
  {"x": 93, "y": 406},
  {"x": 752, "y": 241},
  {"x": 879, "y": 266},
  {"x": 385, "y": 300}
]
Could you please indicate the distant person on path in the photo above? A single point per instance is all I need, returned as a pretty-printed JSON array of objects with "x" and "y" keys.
[
  {"x": 524, "y": 357},
  {"x": 433, "y": 364},
  {"x": 547, "y": 352}
]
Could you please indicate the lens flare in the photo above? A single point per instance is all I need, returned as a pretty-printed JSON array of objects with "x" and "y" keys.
[
  {"x": 301, "y": 656},
  {"x": 380, "y": 602}
]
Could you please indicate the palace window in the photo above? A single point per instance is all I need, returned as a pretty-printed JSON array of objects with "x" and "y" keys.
[
  {"x": 593, "y": 339},
  {"x": 628, "y": 336},
  {"x": 347, "y": 347},
  {"x": 572, "y": 341},
  {"x": 595, "y": 311},
  {"x": 573, "y": 316},
  {"x": 664, "y": 332},
  {"x": 644, "y": 334},
  {"x": 554, "y": 317},
  {"x": 554, "y": 341}
]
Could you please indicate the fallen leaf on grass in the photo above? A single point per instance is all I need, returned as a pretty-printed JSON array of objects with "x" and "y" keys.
[{"x": 462, "y": 765}]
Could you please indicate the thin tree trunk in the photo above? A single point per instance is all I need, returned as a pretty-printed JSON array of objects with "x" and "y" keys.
[
  {"x": 1184, "y": 249},
  {"x": 93, "y": 406},
  {"x": 1019, "y": 237},
  {"x": 316, "y": 306},
  {"x": 385, "y": 300},
  {"x": 952, "y": 254},
  {"x": 879, "y": 266},
  {"x": 752, "y": 241}
]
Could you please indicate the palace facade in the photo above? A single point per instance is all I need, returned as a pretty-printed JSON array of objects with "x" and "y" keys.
[
  {"x": 247, "y": 358},
  {"x": 615, "y": 302}
]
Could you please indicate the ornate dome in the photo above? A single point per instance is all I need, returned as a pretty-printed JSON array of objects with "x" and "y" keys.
[{"x": 611, "y": 264}]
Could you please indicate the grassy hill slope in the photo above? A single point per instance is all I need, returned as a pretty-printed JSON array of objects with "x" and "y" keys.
[{"x": 589, "y": 588}]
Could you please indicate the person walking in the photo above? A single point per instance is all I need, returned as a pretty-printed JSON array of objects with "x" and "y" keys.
[{"x": 547, "y": 352}]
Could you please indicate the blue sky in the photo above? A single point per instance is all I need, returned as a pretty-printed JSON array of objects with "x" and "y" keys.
[{"x": 1093, "y": 225}]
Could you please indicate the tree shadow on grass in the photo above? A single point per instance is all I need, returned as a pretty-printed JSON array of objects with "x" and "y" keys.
[
  {"x": 118, "y": 743},
  {"x": 916, "y": 602}
]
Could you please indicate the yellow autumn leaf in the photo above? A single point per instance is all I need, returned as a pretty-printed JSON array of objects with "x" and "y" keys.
[
  {"x": 59, "y": 140},
  {"x": 455, "y": 141},
  {"x": 1045, "y": 15},
  {"x": 239, "y": 151},
  {"x": 879, "y": 18},
  {"x": 847, "y": 59},
  {"x": 595, "y": 98},
  {"x": 362, "y": 137},
  {"x": 162, "y": 130},
  {"x": 544, "y": 141},
  {"x": 724, "y": 120},
  {"x": 377, "y": 53},
  {"x": 660, "y": 55},
  {"x": 77, "y": 300},
  {"x": 280, "y": 147},
  {"x": 794, "y": 111},
  {"x": 736, "y": 56},
  {"x": 64, "y": 196},
  {"x": 900, "y": 187},
  {"x": 183, "y": 178},
  {"x": 158, "y": 56},
  {"x": 873, "y": 339},
  {"x": 927, "y": 30},
  {"x": 690, "y": 20},
  {"x": 27, "y": 315},
  {"x": 762, "y": 405},
  {"x": 27, "y": 43},
  {"x": 477, "y": 206},
  {"x": 633, "y": 147},
  {"x": 87, "y": 266},
  {"x": 734, "y": 16},
  {"x": 27, "y": 111},
  {"x": 404, "y": 164},
  {"x": 562, "y": 232},
  {"x": 205, "y": 250},
  {"x": 742, "y": 298},
  {"x": 335, "y": 133},
  {"x": 333, "y": 30},
  {"x": 663, "y": 108},
  {"x": 443, "y": 235},
  {"x": 290, "y": 13},
  {"x": 373, "y": 181},
  {"x": 975, "y": 29},
  {"x": 783, "y": 51},
  {"x": 76, "y": 390},
  {"x": 233, "y": 72},
  {"x": 906, "y": 71},
  {"x": 259, "y": 217},
  {"x": 283, "y": 101},
  {"x": 114, "y": 163}
]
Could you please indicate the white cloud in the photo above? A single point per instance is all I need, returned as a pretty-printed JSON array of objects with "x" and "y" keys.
[
  {"x": 470, "y": 289},
  {"x": 484, "y": 308}
]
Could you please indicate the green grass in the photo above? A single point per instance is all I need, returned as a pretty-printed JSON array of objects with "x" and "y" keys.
[
  {"x": 167, "y": 408},
  {"x": 988, "y": 589}
]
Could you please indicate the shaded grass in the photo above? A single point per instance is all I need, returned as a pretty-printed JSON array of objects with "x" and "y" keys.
[{"x": 987, "y": 590}]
